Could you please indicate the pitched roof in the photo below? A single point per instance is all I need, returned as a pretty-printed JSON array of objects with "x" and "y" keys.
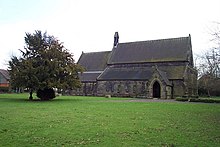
[
  {"x": 94, "y": 61},
  {"x": 89, "y": 76},
  {"x": 5, "y": 73},
  {"x": 141, "y": 73},
  {"x": 123, "y": 73},
  {"x": 164, "y": 76},
  {"x": 173, "y": 72},
  {"x": 174, "y": 49}
]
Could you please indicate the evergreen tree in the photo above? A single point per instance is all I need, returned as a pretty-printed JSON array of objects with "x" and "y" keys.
[{"x": 45, "y": 63}]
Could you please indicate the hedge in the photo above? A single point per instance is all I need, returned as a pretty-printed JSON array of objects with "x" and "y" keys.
[
  {"x": 203, "y": 100},
  {"x": 4, "y": 89}
]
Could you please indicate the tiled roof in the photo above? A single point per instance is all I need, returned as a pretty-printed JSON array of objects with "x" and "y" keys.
[
  {"x": 174, "y": 49},
  {"x": 94, "y": 61},
  {"x": 122, "y": 60},
  {"x": 141, "y": 73},
  {"x": 89, "y": 76},
  {"x": 124, "y": 73},
  {"x": 164, "y": 76},
  {"x": 173, "y": 72},
  {"x": 5, "y": 73}
]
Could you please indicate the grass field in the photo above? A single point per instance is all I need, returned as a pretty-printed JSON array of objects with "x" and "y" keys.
[{"x": 97, "y": 121}]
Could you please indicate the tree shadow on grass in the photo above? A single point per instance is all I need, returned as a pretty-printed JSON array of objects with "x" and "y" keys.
[
  {"x": 13, "y": 100},
  {"x": 57, "y": 100}
]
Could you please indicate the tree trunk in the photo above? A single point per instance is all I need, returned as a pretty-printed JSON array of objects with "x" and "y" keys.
[
  {"x": 31, "y": 95},
  {"x": 208, "y": 93}
]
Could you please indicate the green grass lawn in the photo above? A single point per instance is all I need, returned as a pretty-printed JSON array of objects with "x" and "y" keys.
[{"x": 97, "y": 121}]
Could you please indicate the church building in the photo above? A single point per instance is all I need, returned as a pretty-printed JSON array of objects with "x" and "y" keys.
[{"x": 149, "y": 69}]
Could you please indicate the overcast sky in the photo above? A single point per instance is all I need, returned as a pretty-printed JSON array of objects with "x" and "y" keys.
[{"x": 89, "y": 25}]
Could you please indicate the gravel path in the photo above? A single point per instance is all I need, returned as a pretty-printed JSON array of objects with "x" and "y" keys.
[
  {"x": 152, "y": 100},
  {"x": 144, "y": 100},
  {"x": 155, "y": 100}
]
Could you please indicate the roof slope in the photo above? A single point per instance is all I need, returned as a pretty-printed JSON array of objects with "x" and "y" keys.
[
  {"x": 141, "y": 73},
  {"x": 163, "y": 76},
  {"x": 5, "y": 73},
  {"x": 123, "y": 73},
  {"x": 174, "y": 49},
  {"x": 94, "y": 61},
  {"x": 89, "y": 76}
]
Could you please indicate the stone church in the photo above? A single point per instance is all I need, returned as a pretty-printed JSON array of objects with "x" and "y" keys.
[{"x": 149, "y": 69}]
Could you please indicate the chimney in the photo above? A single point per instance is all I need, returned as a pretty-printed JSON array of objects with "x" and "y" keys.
[{"x": 116, "y": 38}]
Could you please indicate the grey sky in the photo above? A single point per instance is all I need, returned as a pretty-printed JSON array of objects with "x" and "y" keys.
[{"x": 89, "y": 25}]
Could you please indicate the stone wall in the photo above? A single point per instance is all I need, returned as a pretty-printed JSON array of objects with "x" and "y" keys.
[
  {"x": 191, "y": 82},
  {"x": 141, "y": 89},
  {"x": 178, "y": 88},
  {"x": 131, "y": 88},
  {"x": 87, "y": 89},
  {"x": 123, "y": 88}
]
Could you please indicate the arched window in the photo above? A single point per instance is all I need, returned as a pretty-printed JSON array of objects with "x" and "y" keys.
[
  {"x": 143, "y": 88},
  {"x": 109, "y": 87},
  {"x": 127, "y": 87}
]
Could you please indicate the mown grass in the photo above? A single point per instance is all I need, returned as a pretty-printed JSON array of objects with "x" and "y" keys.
[{"x": 97, "y": 121}]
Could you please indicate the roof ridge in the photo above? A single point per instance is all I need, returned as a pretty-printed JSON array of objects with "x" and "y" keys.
[
  {"x": 154, "y": 40},
  {"x": 96, "y": 52}
]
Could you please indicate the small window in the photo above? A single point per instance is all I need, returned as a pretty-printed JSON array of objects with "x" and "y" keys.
[
  {"x": 135, "y": 88},
  {"x": 119, "y": 88},
  {"x": 143, "y": 88},
  {"x": 127, "y": 87},
  {"x": 109, "y": 87}
]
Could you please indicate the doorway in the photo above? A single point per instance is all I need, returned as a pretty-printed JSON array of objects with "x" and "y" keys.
[{"x": 156, "y": 90}]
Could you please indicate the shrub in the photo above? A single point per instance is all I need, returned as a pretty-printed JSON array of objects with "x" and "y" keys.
[
  {"x": 4, "y": 89},
  {"x": 204, "y": 100},
  {"x": 46, "y": 94},
  {"x": 209, "y": 86},
  {"x": 182, "y": 99}
]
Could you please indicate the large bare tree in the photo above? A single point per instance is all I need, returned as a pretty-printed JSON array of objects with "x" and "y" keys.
[{"x": 209, "y": 64}]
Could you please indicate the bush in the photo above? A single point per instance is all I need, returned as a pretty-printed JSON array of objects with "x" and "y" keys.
[
  {"x": 203, "y": 100},
  {"x": 46, "y": 94},
  {"x": 4, "y": 89},
  {"x": 209, "y": 86},
  {"x": 182, "y": 99}
]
